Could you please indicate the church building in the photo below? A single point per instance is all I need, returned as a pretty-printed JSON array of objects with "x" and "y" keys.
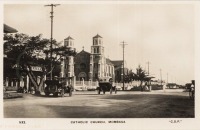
[
  {"x": 67, "y": 64},
  {"x": 94, "y": 65}
]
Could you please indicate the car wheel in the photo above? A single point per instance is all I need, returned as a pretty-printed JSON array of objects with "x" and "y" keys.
[
  {"x": 70, "y": 93},
  {"x": 98, "y": 90},
  {"x": 111, "y": 91},
  {"x": 115, "y": 90},
  {"x": 62, "y": 93},
  {"x": 55, "y": 94},
  {"x": 46, "y": 94}
]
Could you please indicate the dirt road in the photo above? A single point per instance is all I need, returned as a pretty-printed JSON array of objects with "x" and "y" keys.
[{"x": 88, "y": 104}]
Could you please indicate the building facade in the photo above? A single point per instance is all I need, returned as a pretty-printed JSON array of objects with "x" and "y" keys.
[
  {"x": 82, "y": 66},
  {"x": 67, "y": 64},
  {"x": 94, "y": 66}
]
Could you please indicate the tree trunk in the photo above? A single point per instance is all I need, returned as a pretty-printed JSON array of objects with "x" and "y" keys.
[
  {"x": 33, "y": 79},
  {"x": 35, "y": 85},
  {"x": 41, "y": 84},
  {"x": 141, "y": 85}
]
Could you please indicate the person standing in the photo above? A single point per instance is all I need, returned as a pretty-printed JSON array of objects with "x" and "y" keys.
[{"x": 191, "y": 93}]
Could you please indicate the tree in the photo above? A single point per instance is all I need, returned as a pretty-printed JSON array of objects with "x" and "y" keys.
[
  {"x": 129, "y": 76},
  {"x": 140, "y": 75},
  {"x": 27, "y": 51}
]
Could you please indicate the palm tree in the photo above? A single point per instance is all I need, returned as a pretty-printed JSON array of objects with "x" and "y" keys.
[{"x": 140, "y": 75}]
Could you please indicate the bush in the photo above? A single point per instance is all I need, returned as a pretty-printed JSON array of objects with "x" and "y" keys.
[
  {"x": 153, "y": 87},
  {"x": 9, "y": 88},
  {"x": 136, "y": 88},
  {"x": 156, "y": 87}
]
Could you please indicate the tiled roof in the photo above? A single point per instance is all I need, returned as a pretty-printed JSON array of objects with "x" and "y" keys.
[
  {"x": 68, "y": 38},
  {"x": 97, "y": 36}
]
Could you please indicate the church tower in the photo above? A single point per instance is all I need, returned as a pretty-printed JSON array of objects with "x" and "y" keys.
[
  {"x": 67, "y": 65},
  {"x": 97, "y": 59}
]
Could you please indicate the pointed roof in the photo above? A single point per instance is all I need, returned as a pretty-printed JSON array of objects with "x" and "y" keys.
[
  {"x": 83, "y": 51},
  {"x": 97, "y": 36},
  {"x": 69, "y": 38},
  {"x": 8, "y": 29}
]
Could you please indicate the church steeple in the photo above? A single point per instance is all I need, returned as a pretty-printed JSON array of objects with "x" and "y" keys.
[
  {"x": 97, "y": 46},
  {"x": 67, "y": 65},
  {"x": 97, "y": 59},
  {"x": 69, "y": 42},
  {"x": 97, "y": 40}
]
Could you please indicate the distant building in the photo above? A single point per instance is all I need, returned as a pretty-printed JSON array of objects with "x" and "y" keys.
[{"x": 118, "y": 65}]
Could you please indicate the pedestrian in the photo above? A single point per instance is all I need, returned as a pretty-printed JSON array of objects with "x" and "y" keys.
[
  {"x": 164, "y": 86},
  {"x": 191, "y": 93}
]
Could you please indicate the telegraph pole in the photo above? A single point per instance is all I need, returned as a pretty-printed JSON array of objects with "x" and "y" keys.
[
  {"x": 167, "y": 77},
  {"x": 51, "y": 5},
  {"x": 148, "y": 66},
  {"x": 123, "y": 46},
  {"x": 161, "y": 75}
]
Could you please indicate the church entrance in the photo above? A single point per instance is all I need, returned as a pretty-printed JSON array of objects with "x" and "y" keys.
[{"x": 82, "y": 76}]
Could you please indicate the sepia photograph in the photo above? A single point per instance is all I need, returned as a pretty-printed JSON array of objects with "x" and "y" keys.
[{"x": 100, "y": 63}]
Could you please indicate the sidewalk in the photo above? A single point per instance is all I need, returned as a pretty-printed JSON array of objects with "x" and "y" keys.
[{"x": 12, "y": 94}]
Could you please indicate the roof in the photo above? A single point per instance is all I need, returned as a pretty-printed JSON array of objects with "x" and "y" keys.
[
  {"x": 108, "y": 61},
  {"x": 97, "y": 36},
  {"x": 8, "y": 29},
  {"x": 117, "y": 62},
  {"x": 69, "y": 38},
  {"x": 83, "y": 52}
]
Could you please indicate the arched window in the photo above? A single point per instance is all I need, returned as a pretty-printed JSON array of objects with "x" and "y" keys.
[
  {"x": 95, "y": 41},
  {"x": 94, "y": 50}
]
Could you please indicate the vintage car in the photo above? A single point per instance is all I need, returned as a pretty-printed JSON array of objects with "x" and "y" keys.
[
  {"x": 57, "y": 87},
  {"x": 106, "y": 84}
]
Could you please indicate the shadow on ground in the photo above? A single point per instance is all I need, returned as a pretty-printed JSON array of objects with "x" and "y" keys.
[{"x": 138, "y": 106}]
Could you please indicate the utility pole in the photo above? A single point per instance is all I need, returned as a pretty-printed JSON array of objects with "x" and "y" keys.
[
  {"x": 123, "y": 46},
  {"x": 167, "y": 78},
  {"x": 148, "y": 66},
  {"x": 161, "y": 75},
  {"x": 51, "y": 5}
]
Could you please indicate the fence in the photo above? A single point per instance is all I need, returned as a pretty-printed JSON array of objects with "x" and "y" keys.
[{"x": 84, "y": 85}]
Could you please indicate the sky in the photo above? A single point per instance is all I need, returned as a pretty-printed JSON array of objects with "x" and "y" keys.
[{"x": 163, "y": 34}]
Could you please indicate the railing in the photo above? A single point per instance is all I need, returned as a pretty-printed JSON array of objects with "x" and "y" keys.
[{"x": 89, "y": 84}]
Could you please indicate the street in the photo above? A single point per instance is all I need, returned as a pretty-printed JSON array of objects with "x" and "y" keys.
[{"x": 88, "y": 104}]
